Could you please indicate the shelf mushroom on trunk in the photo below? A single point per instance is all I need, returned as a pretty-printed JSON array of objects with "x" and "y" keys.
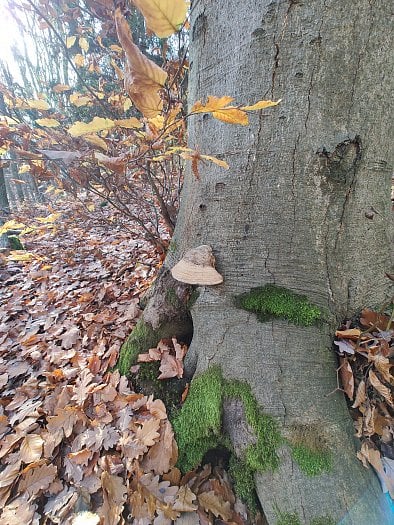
[{"x": 197, "y": 267}]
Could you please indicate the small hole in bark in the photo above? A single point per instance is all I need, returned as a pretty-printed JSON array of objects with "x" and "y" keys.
[
  {"x": 219, "y": 187},
  {"x": 203, "y": 207}
]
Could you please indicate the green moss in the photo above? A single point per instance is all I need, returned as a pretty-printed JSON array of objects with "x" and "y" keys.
[
  {"x": 244, "y": 485},
  {"x": 169, "y": 391},
  {"x": 197, "y": 425},
  {"x": 323, "y": 520},
  {"x": 287, "y": 518},
  {"x": 198, "y": 429},
  {"x": 311, "y": 462},
  {"x": 15, "y": 243},
  {"x": 140, "y": 340},
  {"x": 262, "y": 455},
  {"x": 309, "y": 450},
  {"x": 272, "y": 301},
  {"x": 173, "y": 299},
  {"x": 172, "y": 246},
  {"x": 193, "y": 298}
]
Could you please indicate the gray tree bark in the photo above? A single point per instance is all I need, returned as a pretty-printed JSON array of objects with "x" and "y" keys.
[{"x": 305, "y": 205}]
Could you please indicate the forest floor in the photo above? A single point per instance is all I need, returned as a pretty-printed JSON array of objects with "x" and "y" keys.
[
  {"x": 78, "y": 441},
  {"x": 75, "y": 436}
]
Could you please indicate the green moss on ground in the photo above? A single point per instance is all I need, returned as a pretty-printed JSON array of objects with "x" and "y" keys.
[
  {"x": 139, "y": 341},
  {"x": 272, "y": 301}
]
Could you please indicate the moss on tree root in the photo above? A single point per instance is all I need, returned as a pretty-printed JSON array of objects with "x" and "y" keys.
[
  {"x": 198, "y": 429},
  {"x": 289, "y": 518},
  {"x": 272, "y": 301},
  {"x": 140, "y": 340}
]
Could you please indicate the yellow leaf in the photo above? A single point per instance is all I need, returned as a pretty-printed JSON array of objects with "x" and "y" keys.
[
  {"x": 25, "y": 168},
  {"x": 60, "y": 88},
  {"x": 143, "y": 78},
  {"x": 116, "y": 48},
  {"x": 163, "y": 17},
  {"x": 129, "y": 123},
  {"x": 11, "y": 225},
  {"x": 38, "y": 104},
  {"x": 219, "y": 162},
  {"x": 79, "y": 100},
  {"x": 70, "y": 41},
  {"x": 213, "y": 104},
  {"x": 97, "y": 124},
  {"x": 91, "y": 207},
  {"x": 83, "y": 44},
  {"x": 50, "y": 219},
  {"x": 96, "y": 141},
  {"x": 261, "y": 104},
  {"x": 127, "y": 104},
  {"x": 157, "y": 122},
  {"x": 20, "y": 255},
  {"x": 231, "y": 116},
  {"x": 79, "y": 60},
  {"x": 48, "y": 122}
]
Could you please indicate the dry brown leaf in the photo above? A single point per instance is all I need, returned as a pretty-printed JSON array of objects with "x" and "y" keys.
[
  {"x": 81, "y": 457},
  {"x": 215, "y": 504},
  {"x": 351, "y": 333},
  {"x": 20, "y": 510},
  {"x": 70, "y": 337},
  {"x": 380, "y": 387},
  {"x": 114, "y": 494},
  {"x": 38, "y": 479},
  {"x": 31, "y": 448},
  {"x": 163, "y": 17},
  {"x": 157, "y": 408},
  {"x": 184, "y": 500},
  {"x": 162, "y": 455},
  {"x": 143, "y": 78},
  {"x": 148, "y": 433},
  {"x": 383, "y": 365},
  {"x": 347, "y": 379},
  {"x": 63, "y": 422},
  {"x": 372, "y": 455},
  {"x": 170, "y": 367},
  {"x": 360, "y": 395},
  {"x": 370, "y": 318},
  {"x": 9, "y": 474}
]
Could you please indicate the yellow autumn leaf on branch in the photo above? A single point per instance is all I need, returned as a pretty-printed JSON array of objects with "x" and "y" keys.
[
  {"x": 83, "y": 44},
  {"x": 24, "y": 168},
  {"x": 38, "y": 104},
  {"x": 261, "y": 104},
  {"x": 163, "y": 17},
  {"x": 96, "y": 141},
  {"x": 60, "y": 88},
  {"x": 129, "y": 123},
  {"x": 79, "y": 100},
  {"x": 97, "y": 124},
  {"x": 70, "y": 41},
  {"x": 213, "y": 104},
  {"x": 79, "y": 60},
  {"x": 143, "y": 78},
  {"x": 220, "y": 109},
  {"x": 221, "y": 163},
  {"x": 48, "y": 122}
]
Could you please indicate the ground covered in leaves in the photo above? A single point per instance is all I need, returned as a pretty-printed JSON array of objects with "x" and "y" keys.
[{"x": 78, "y": 444}]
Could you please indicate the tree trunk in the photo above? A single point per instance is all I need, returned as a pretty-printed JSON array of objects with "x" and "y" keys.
[{"x": 304, "y": 206}]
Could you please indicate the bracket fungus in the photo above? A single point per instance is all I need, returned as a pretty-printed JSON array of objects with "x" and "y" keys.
[{"x": 197, "y": 266}]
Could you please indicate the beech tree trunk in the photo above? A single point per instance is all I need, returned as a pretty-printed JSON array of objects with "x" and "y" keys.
[{"x": 306, "y": 206}]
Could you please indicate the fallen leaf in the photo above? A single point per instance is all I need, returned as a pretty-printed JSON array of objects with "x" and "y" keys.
[
  {"x": 380, "y": 387},
  {"x": 148, "y": 433},
  {"x": 214, "y": 503},
  {"x": 347, "y": 379},
  {"x": 184, "y": 500},
  {"x": 38, "y": 479},
  {"x": 31, "y": 448}
]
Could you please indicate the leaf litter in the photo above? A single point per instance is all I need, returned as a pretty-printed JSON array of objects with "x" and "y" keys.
[
  {"x": 77, "y": 443},
  {"x": 366, "y": 355}
]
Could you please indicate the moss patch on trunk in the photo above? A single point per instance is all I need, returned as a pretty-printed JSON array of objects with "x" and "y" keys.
[
  {"x": 309, "y": 450},
  {"x": 140, "y": 340},
  {"x": 198, "y": 428},
  {"x": 288, "y": 518},
  {"x": 272, "y": 301}
]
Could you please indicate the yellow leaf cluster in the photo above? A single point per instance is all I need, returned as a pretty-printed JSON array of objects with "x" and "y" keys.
[
  {"x": 220, "y": 109},
  {"x": 38, "y": 104},
  {"x": 79, "y": 100},
  {"x": 60, "y": 88},
  {"x": 48, "y": 122},
  {"x": 79, "y": 60},
  {"x": 83, "y": 44},
  {"x": 97, "y": 124},
  {"x": 143, "y": 78},
  {"x": 11, "y": 225},
  {"x": 163, "y": 17},
  {"x": 70, "y": 41}
]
